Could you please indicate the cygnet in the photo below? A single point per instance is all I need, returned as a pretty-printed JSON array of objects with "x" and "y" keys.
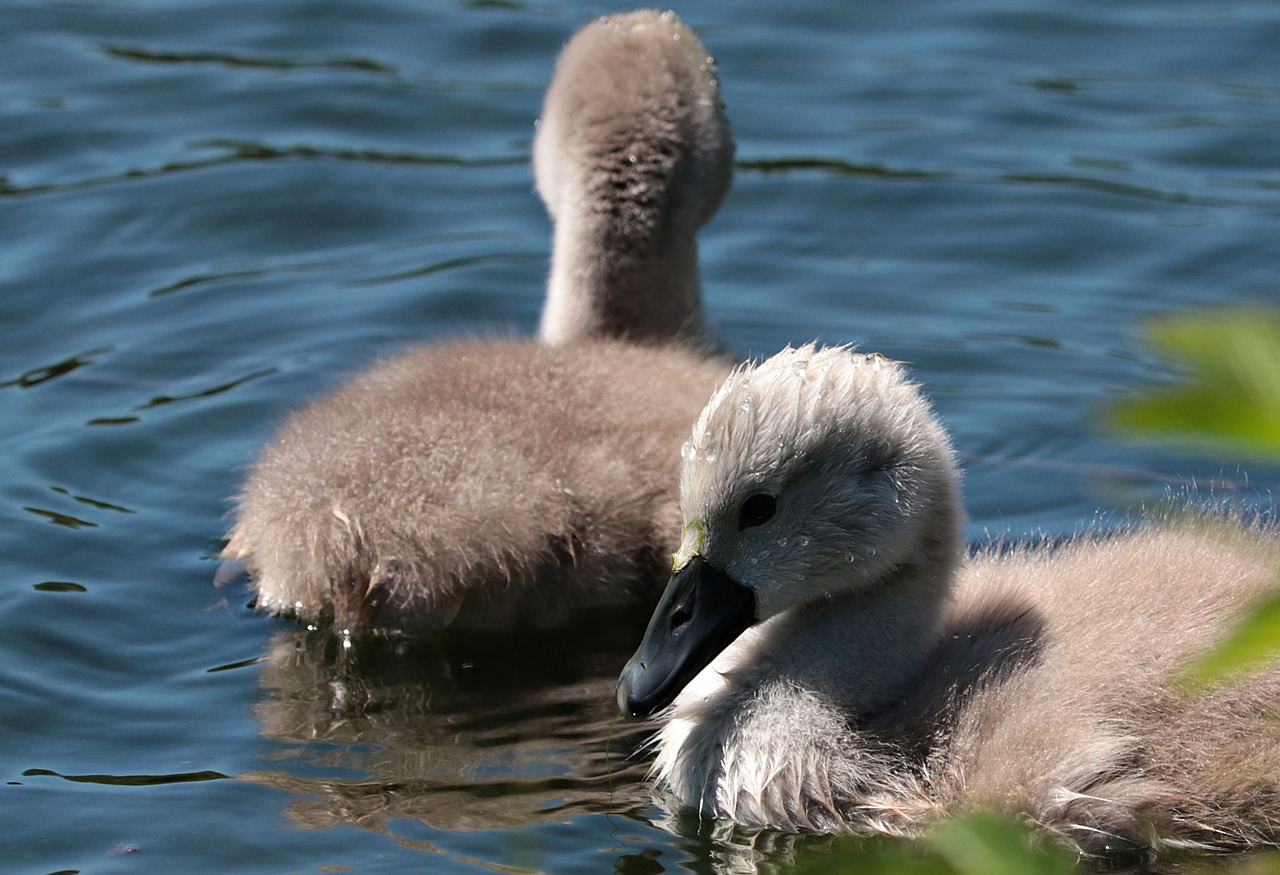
[
  {"x": 835, "y": 662},
  {"x": 489, "y": 483}
]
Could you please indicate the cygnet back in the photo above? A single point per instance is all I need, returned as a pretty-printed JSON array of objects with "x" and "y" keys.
[{"x": 477, "y": 483}]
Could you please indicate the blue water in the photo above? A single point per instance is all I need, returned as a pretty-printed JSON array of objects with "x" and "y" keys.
[{"x": 209, "y": 212}]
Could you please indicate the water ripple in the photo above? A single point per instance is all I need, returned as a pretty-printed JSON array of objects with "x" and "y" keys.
[
  {"x": 439, "y": 266},
  {"x": 227, "y": 59},
  {"x": 838, "y": 167},
  {"x": 257, "y": 273},
  {"x": 237, "y": 151},
  {"x": 59, "y": 586},
  {"x": 160, "y": 400},
  {"x": 129, "y": 780},
  {"x": 1108, "y": 186},
  {"x": 36, "y": 376},
  {"x": 91, "y": 502},
  {"x": 61, "y": 519}
]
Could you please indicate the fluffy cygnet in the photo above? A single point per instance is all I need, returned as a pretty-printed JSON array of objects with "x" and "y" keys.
[
  {"x": 490, "y": 483},
  {"x": 837, "y": 664}
]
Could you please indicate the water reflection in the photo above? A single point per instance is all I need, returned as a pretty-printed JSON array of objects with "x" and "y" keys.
[
  {"x": 484, "y": 732},
  {"x": 724, "y": 848},
  {"x": 467, "y": 732}
]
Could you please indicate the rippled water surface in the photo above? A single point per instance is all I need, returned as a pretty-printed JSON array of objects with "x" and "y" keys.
[{"x": 209, "y": 212}]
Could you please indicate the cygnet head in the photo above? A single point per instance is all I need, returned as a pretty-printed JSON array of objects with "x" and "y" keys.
[
  {"x": 633, "y": 154},
  {"x": 818, "y": 475}
]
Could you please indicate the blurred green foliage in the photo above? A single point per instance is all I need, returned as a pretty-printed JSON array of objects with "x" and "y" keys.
[
  {"x": 1254, "y": 642},
  {"x": 1229, "y": 397},
  {"x": 975, "y": 844},
  {"x": 1230, "y": 394}
]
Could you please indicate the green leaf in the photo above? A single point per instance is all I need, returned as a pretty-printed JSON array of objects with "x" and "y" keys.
[
  {"x": 1254, "y": 642},
  {"x": 1229, "y": 395},
  {"x": 1231, "y": 390},
  {"x": 972, "y": 844},
  {"x": 988, "y": 844}
]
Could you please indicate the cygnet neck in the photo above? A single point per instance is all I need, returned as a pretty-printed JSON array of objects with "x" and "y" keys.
[
  {"x": 604, "y": 285},
  {"x": 886, "y": 634}
]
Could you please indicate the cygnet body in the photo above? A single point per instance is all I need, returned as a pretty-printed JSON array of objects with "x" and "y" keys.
[
  {"x": 487, "y": 483},
  {"x": 836, "y": 663}
]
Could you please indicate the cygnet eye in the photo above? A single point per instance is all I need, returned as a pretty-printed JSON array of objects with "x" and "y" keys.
[{"x": 757, "y": 510}]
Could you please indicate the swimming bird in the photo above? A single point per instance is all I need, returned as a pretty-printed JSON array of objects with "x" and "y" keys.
[
  {"x": 488, "y": 483},
  {"x": 834, "y": 661}
]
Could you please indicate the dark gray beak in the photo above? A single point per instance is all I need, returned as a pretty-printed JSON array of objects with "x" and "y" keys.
[{"x": 701, "y": 612}]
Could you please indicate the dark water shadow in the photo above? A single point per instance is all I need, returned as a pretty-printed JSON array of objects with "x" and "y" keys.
[{"x": 470, "y": 731}]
